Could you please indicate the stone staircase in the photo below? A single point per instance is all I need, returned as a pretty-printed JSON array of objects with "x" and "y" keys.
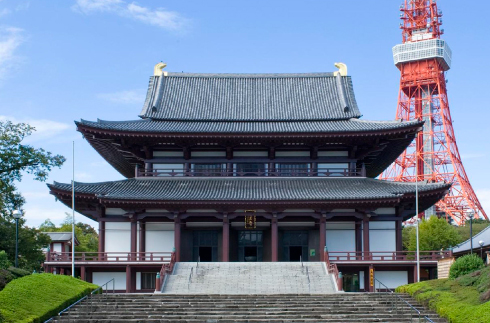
[
  {"x": 249, "y": 278},
  {"x": 339, "y": 307}
]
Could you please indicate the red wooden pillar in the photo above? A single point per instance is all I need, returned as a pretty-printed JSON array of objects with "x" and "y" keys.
[
  {"x": 134, "y": 232},
  {"x": 365, "y": 237},
  {"x": 398, "y": 228},
  {"x": 82, "y": 273},
  {"x": 128, "y": 279},
  {"x": 101, "y": 236},
  {"x": 177, "y": 237},
  {"x": 323, "y": 238},
  {"x": 274, "y": 242},
  {"x": 142, "y": 245},
  {"x": 226, "y": 239}
]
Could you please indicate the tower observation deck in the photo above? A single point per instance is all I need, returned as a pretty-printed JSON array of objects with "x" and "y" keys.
[{"x": 423, "y": 58}]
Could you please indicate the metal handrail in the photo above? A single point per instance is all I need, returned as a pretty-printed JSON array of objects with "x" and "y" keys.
[
  {"x": 308, "y": 276},
  {"x": 81, "y": 299},
  {"x": 394, "y": 304},
  {"x": 190, "y": 278}
]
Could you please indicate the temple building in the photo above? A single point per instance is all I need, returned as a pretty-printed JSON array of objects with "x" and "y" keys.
[{"x": 249, "y": 167}]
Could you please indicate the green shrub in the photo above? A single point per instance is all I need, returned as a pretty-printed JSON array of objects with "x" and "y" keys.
[
  {"x": 465, "y": 265},
  {"x": 460, "y": 300},
  {"x": 5, "y": 278},
  {"x": 4, "y": 260},
  {"x": 17, "y": 272},
  {"x": 37, "y": 297}
]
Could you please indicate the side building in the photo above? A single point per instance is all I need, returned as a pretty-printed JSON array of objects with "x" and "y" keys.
[{"x": 249, "y": 167}]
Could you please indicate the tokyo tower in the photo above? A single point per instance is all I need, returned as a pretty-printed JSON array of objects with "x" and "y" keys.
[{"x": 423, "y": 58}]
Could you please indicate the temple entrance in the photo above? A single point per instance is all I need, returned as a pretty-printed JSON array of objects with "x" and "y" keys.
[
  {"x": 250, "y": 246},
  {"x": 205, "y": 246},
  {"x": 295, "y": 245}
]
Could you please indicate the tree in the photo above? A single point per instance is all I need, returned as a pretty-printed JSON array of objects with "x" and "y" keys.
[
  {"x": 478, "y": 225},
  {"x": 87, "y": 236},
  {"x": 16, "y": 159},
  {"x": 434, "y": 234}
]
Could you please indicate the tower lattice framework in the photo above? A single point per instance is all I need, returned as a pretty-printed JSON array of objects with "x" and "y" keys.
[{"x": 423, "y": 58}]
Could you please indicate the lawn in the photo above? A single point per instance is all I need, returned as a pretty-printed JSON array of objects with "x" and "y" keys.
[
  {"x": 463, "y": 300},
  {"x": 37, "y": 297}
]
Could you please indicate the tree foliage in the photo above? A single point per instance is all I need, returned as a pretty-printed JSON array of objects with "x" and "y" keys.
[
  {"x": 434, "y": 234},
  {"x": 16, "y": 159},
  {"x": 31, "y": 243},
  {"x": 87, "y": 236}
]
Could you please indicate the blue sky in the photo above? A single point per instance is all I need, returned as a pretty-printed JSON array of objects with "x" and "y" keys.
[{"x": 61, "y": 61}]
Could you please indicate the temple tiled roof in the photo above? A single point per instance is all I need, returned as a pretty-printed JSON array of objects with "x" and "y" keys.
[
  {"x": 337, "y": 126},
  {"x": 250, "y": 97},
  {"x": 248, "y": 189}
]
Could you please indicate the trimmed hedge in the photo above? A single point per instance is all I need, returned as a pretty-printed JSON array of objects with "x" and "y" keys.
[
  {"x": 9, "y": 274},
  {"x": 460, "y": 300},
  {"x": 37, "y": 297}
]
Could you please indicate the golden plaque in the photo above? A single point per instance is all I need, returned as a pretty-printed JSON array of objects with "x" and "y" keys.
[{"x": 250, "y": 220}]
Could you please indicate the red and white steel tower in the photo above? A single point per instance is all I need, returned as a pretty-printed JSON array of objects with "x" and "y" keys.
[{"x": 423, "y": 58}]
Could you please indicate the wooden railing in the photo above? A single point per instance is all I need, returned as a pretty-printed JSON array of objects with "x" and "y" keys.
[
  {"x": 388, "y": 256},
  {"x": 110, "y": 257},
  {"x": 333, "y": 270},
  {"x": 320, "y": 172},
  {"x": 166, "y": 269}
]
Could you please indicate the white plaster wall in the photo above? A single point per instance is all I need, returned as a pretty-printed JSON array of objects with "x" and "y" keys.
[
  {"x": 159, "y": 237},
  {"x": 117, "y": 237},
  {"x": 253, "y": 153},
  {"x": 138, "y": 280},
  {"x": 57, "y": 247},
  {"x": 218, "y": 153},
  {"x": 341, "y": 236},
  {"x": 292, "y": 154},
  {"x": 114, "y": 211},
  {"x": 333, "y": 153},
  {"x": 382, "y": 236},
  {"x": 392, "y": 279},
  {"x": 361, "y": 280},
  {"x": 168, "y": 154},
  {"x": 100, "y": 278},
  {"x": 166, "y": 168}
]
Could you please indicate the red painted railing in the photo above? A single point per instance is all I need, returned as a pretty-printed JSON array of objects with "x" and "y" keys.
[
  {"x": 388, "y": 256},
  {"x": 166, "y": 269},
  {"x": 110, "y": 257},
  {"x": 332, "y": 269},
  {"x": 325, "y": 172}
]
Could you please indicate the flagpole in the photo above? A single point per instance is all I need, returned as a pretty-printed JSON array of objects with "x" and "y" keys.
[
  {"x": 417, "y": 213},
  {"x": 73, "y": 216}
]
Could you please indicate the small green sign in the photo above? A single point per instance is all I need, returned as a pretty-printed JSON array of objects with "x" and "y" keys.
[{"x": 312, "y": 252}]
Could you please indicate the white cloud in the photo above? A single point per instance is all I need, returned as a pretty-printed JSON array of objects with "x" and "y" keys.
[
  {"x": 125, "y": 97},
  {"x": 4, "y": 12},
  {"x": 159, "y": 17},
  {"x": 81, "y": 176},
  {"x": 87, "y": 6},
  {"x": 45, "y": 129},
  {"x": 10, "y": 40}
]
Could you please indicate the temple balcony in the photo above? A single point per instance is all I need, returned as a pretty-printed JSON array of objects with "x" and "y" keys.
[
  {"x": 160, "y": 258},
  {"x": 108, "y": 258},
  {"x": 254, "y": 172}
]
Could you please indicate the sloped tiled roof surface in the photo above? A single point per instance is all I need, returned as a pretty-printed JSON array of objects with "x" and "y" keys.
[
  {"x": 250, "y": 97},
  {"x": 483, "y": 235},
  {"x": 160, "y": 126},
  {"x": 59, "y": 236},
  {"x": 248, "y": 189}
]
